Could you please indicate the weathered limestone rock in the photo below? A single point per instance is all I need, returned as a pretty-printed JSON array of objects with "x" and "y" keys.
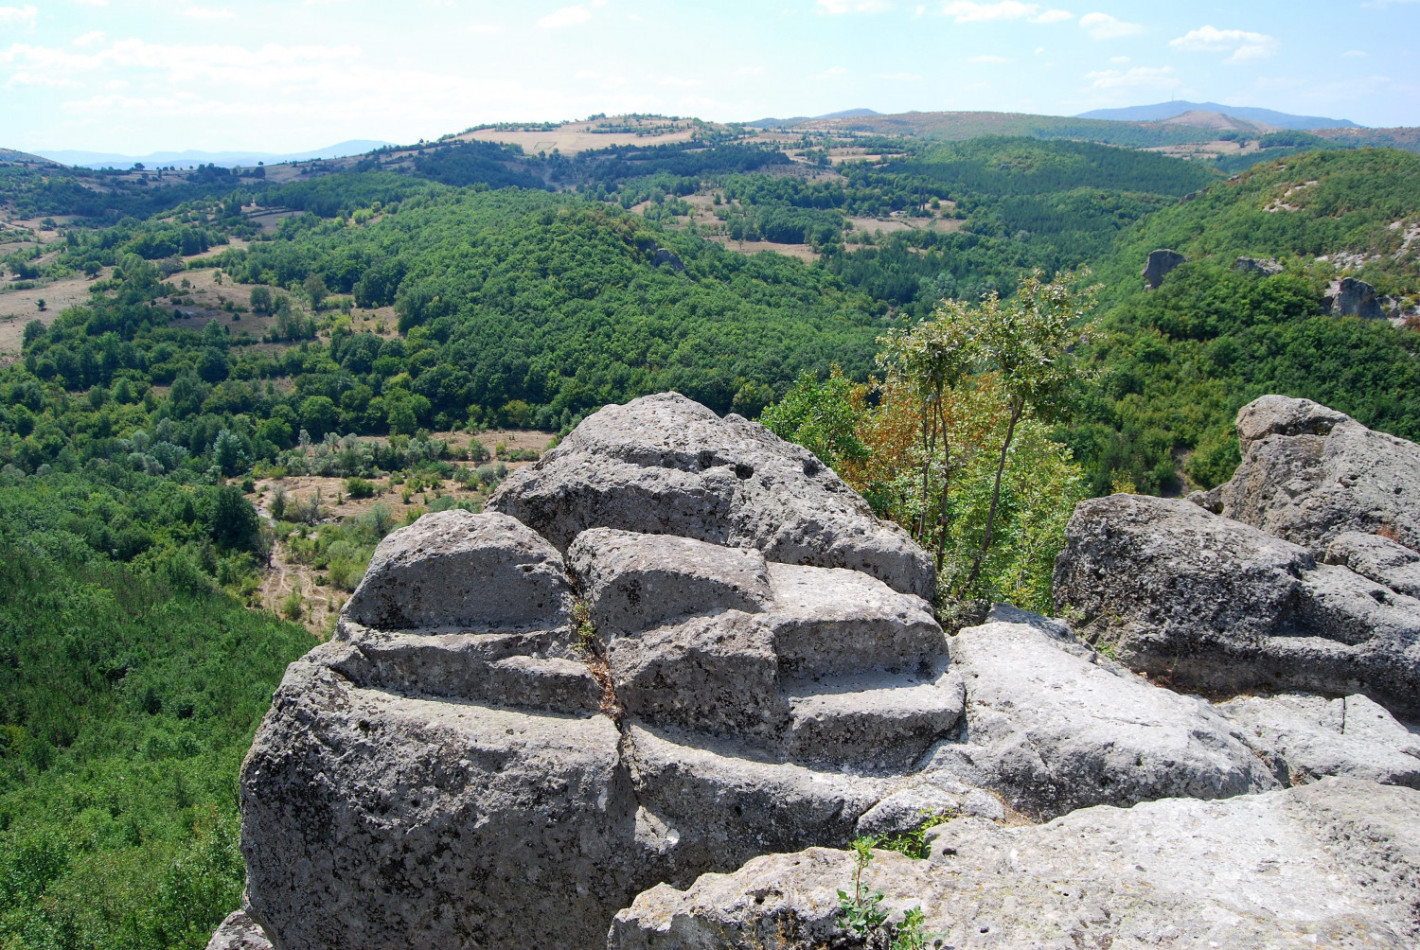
[
  {"x": 1209, "y": 602},
  {"x": 1159, "y": 265},
  {"x": 1310, "y": 474},
  {"x": 456, "y": 569},
  {"x": 239, "y": 932},
  {"x": 374, "y": 820},
  {"x": 1331, "y": 864},
  {"x": 634, "y": 581},
  {"x": 667, "y": 465},
  {"x": 1263, "y": 267},
  {"x": 1311, "y": 737},
  {"x": 1053, "y": 726},
  {"x": 502, "y": 745},
  {"x": 669, "y": 257},
  {"x": 1378, "y": 559},
  {"x": 1349, "y": 297}
]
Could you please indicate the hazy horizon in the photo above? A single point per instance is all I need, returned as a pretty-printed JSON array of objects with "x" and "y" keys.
[{"x": 134, "y": 77}]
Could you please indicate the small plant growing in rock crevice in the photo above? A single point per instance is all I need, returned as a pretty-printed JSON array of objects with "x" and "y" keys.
[
  {"x": 862, "y": 913},
  {"x": 584, "y": 641},
  {"x": 913, "y": 843}
]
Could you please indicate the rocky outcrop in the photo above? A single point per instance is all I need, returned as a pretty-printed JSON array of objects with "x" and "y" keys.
[
  {"x": 1307, "y": 737},
  {"x": 680, "y": 644},
  {"x": 1310, "y": 474},
  {"x": 1159, "y": 265},
  {"x": 1331, "y": 864},
  {"x": 1261, "y": 266},
  {"x": 1053, "y": 726},
  {"x": 504, "y": 743},
  {"x": 669, "y": 258},
  {"x": 1349, "y": 297},
  {"x": 666, "y": 465},
  {"x": 239, "y": 932},
  {"x": 1205, "y": 601}
]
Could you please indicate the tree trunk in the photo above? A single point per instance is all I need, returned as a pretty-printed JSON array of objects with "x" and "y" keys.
[{"x": 1016, "y": 412}]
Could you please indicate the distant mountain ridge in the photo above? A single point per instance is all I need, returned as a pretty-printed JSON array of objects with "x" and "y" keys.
[
  {"x": 845, "y": 114},
  {"x": 191, "y": 158},
  {"x": 1162, "y": 111}
]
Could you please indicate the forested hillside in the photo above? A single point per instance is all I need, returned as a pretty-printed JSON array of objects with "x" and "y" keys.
[{"x": 364, "y": 321}]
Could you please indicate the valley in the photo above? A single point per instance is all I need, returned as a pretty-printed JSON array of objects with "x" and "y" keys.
[{"x": 242, "y": 380}]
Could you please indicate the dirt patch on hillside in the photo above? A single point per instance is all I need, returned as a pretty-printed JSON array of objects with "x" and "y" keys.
[
  {"x": 574, "y": 137},
  {"x": 892, "y": 225},
  {"x": 803, "y": 252},
  {"x": 19, "y": 307}
]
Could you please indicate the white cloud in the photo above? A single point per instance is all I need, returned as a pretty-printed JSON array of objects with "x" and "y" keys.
[
  {"x": 1140, "y": 77},
  {"x": 1355, "y": 53},
  {"x": 833, "y": 72},
  {"x": 566, "y": 16},
  {"x": 483, "y": 29},
  {"x": 898, "y": 77},
  {"x": 1102, "y": 26},
  {"x": 92, "y": 3},
  {"x": 988, "y": 59},
  {"x": 1119, "y": 60},
  {"x": 207, "y": 13},
  {"x": 16, "y": 16},
  {"x": 90, "y": 38},
  {"x": 840, "y": 7},
  {"x": 966, "y": 11},
  {"x": 750, "y": 71},
  {"x": 1246, "y": 46}
]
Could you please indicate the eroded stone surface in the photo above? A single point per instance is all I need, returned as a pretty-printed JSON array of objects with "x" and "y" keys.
[
  {"x": 1310, "y": 474},
  {"x": 1214, "y": 603},
  {"x": 1311, "y": 737},
  {"x": 666, "y": 465},
  {"x": 239, "y": 932},
  {"x": 1052, "y": 727},
  {"x": 1333, "y": 864},
  {"x": 456, "y": 569}
]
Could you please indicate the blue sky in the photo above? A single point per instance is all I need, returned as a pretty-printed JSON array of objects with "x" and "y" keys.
[{"x": 135, "y": 76}]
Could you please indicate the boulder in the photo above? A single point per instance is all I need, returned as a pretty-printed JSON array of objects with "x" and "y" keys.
[
  {"x": 1349, "y": 297},
  {"x": 1330, "y": 864},
  {"x": 666, "y": 465},
  {"x": 1208, "y": 602},
  {"x": 1310, "y": 737},
  {"x": 239, "y": 932},
  {"x": 502, "y": 745},
  {"x": 456, "y": 569},
  {"x": 1309, "y": 474},
  {"x": 1159, "y": 265},
  {"x": 1052, "y": 726},
  {"x": 669, "y": 258},
  {"x": 1263, "y": 267}
]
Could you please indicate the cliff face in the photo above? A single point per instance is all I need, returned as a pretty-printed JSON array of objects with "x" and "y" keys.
[{"x": 678, "y": 643}]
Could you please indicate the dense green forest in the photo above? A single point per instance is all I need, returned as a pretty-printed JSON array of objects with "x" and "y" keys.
[{"x": 412, "y": 294}]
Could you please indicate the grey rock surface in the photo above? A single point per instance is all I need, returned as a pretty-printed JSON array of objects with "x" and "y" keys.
[
  {"x": 634, "y": 581},
  {"x": 1332, "y": 864},
  {"x": 1159, "y": 265},
  {"x": 1349, "y": 297},
  {"x": 371, "y": 819},
  {"x": 1311, "y": 737},
  {"x": 239, "y": 932},
  {"x": 666, "y": 465},
  {"x": 1262, "y": 266},
  {"x": 1310, "y": 474},
  {"x": 456, "y": 569},
  {"x": 502, "y": 744},
  {"x": 1378, "y": 559},
  {"x": 1208, "y": 602},
  {"x": 1052, "y": 727},
  {"x": 930, "y": 795}
]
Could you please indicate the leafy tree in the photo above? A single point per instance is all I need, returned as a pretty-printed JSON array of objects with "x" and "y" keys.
[{"x": 261, "y": 300}]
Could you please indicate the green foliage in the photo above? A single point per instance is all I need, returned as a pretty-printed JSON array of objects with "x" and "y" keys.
[
  {"x": 862, "y": 912},
  {"x": 913, "y": 843},
  {"x": 819, "y": 416},
  {"x": 128, "y": 697}
]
